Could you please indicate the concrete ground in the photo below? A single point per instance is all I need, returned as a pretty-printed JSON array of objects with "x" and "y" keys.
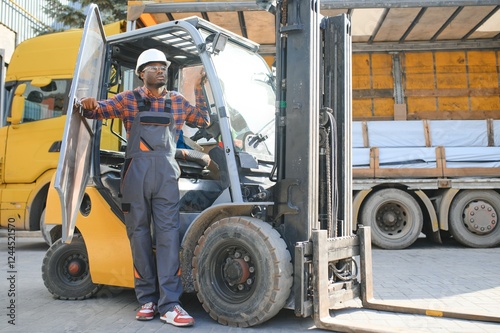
[{"x": 446, "y": 277}]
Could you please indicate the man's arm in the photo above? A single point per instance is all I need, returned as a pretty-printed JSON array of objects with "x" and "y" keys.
[
  {"x": 88, "y": 104},
  {"x": 110, "y": 108},
  {"x": 198, "y": 116}
]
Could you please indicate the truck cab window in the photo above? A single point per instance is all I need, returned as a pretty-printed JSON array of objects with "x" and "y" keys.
[{"x": 45, "y": 102}]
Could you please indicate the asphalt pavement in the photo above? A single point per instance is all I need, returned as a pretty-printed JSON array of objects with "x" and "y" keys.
[{"x": 443, "y": 277}]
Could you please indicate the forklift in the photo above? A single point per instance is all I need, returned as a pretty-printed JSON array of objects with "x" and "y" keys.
[{"x": 266, "y": 220}]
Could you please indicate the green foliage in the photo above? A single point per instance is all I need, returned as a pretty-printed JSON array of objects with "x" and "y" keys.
[{"x": 74, "y": 16}]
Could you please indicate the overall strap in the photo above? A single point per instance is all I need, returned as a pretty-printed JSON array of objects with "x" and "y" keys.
[
  {"x": 142, "y": 105},
  {"x": 168, "y": 104}
]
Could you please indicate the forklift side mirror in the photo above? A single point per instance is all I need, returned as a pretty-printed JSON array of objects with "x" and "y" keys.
[
  {"x": 267, "y": 5},
  {"x": 17, "y": 110},
  {"x": 217, "y": 41}
]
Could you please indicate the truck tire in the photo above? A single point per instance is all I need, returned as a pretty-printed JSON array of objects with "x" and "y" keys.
[
  {"x": 242, "y": 271},
  {"x": 474, "y": 218},
  {"x": 65, "y": 270},
  {"x": 395, "y": 218}
]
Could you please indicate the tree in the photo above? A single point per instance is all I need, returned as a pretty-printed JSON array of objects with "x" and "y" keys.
[{"x": 74, "y": 16}]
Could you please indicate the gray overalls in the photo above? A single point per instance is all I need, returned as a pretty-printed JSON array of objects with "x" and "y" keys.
[{"x": 150, "y": 190}]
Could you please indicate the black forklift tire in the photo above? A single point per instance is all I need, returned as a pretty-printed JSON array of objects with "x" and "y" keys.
[
  {"x": 65, "y": 270},
  {"x": 242, "y": 271},
  {"x": 474, "y": 219},
  {"x": 395, "y": 218}
]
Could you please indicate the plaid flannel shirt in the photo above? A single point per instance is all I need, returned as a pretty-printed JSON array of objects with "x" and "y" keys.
[{"x": 124, "y": 106}]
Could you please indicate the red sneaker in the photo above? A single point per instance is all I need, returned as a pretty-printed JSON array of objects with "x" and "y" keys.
[
  {"x": 147, "y": 311},
  {"x": 177, "y": 317}
]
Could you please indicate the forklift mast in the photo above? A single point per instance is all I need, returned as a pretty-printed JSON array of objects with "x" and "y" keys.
[
  {"x": 313, "y": 67},
  {"x": 314, "y": 114}
]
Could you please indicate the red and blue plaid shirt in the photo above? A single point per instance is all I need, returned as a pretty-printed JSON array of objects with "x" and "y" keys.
[{"x": 124, "y": 106}]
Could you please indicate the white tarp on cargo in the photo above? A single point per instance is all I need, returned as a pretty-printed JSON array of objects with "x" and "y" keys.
[
  {"x": 459, "y": 133},
  {"x": 396, "y": 133},
  {"x": 407, "y": 157},
  {"x": 360, "y": 157},
  {"x": 402, "y": 144}
]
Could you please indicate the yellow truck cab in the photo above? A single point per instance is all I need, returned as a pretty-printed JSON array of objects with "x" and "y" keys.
[{"x": 36, "y": 93}]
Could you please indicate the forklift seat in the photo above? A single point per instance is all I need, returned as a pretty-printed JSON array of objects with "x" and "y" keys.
[{"x": 193, "y": 163}]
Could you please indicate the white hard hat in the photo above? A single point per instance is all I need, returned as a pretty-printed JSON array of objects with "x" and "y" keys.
[{"x": 151, "y": 55}]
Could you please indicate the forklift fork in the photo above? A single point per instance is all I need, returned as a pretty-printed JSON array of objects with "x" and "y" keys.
[{"x": 327, "y": 250}]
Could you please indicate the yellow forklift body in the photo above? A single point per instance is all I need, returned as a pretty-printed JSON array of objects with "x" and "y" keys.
[{"x": 110, "y": 255}]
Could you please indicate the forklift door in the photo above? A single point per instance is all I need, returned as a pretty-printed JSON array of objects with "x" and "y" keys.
[{"x": 74, "y": 166}]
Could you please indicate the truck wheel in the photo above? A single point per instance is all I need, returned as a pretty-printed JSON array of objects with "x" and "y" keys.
[
  {"x": 474, "y": 218},
  {"x": 395, "y": 218},
  {"x": 242, "y": 271},
  {"x": 65, "y": 270}
]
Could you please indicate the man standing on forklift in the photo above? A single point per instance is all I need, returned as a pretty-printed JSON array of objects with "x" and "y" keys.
[{"x": 153, "y": 118}]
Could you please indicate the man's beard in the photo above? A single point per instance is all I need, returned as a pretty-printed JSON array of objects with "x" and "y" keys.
[{"x": 159, "y": 84}]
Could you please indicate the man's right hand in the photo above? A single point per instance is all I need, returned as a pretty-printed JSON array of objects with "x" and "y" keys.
[{"x": 88, "y": 103}]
